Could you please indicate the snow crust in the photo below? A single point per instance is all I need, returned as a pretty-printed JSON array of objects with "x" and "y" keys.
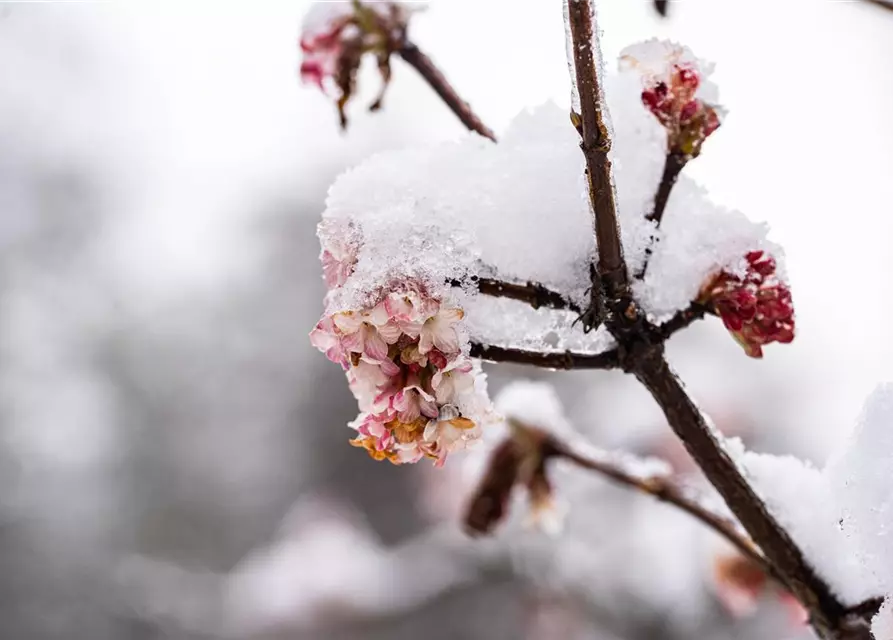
[
  {"x": 842, "y": 515},
  {"x": 519, "y": 210}
]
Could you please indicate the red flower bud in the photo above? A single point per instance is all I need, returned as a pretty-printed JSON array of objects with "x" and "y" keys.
[
  {"x": 670, "y": 96},
  {"x": 756, "y": 309}
]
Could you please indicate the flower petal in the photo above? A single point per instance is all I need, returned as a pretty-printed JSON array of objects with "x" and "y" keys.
[
  {"x": 390, "y": 331},
  {"x": 446, "y": 340},
  {"x": 348, "y": 321},
  {"x": 389, "y": 368},
  {"x": 376, "y": 347}
]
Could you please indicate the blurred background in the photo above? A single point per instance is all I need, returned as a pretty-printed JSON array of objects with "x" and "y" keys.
[{"x": 173, "y": 452}]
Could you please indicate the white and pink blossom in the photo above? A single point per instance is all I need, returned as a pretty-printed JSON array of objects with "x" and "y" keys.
[
  {"x": 439, "y": 331},
  {"x": 336, "y": 35},
  {"x": 415, "y": 387}
]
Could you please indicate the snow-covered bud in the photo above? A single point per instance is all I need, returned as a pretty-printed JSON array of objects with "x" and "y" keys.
[
  {"x": 535, "y": 417},
  {"x": 520, "y": 460},
  {"x": 757, "y": 308},
  {"x": 336, "y": 35},
  {"x": 416, "y": 389},
  {"x": 673, "y": 90}
]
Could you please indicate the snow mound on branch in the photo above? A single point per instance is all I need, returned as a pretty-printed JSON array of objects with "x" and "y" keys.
[
  {"x": 882, "y": 623},
  {"x": 842, "y": 515},
  {"x": 534, "y": 404},
  {"x": 519, "y": 210},
  {"x": 490, "y": 318}
]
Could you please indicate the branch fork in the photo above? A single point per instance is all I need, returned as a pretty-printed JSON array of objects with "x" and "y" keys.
[{"x": 640, "y": 352}]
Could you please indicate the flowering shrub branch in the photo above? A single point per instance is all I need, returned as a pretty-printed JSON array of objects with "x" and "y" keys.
[
  {"x": 610, "y": 272},
  {"x": 337, "y": 36},
  {"x": 665, "y": 490},
  {"x": 408, "y": 357},
  {"x": 671, "y": 95},
  {"x": 533, "y": 293},
  {"x": 548, "y": 360},
  {"x": 645, "y": 359},
  {"x": 534, "y": 447},
  {"x": 432, "y": 75}
]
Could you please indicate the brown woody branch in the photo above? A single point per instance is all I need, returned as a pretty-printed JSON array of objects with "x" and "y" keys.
[
  {"x": 886, "y": 4},
  {"x": 641, "y": 353},
  {"x": 673, "y": 165},
  {"x": 432, "y": 75},
  {"x": 533, "y": 293},
  {"x": 682, "y": 319},
  {"x": 596, "y": 144},
  {"x": 665, "y": 490},
  {"x": 702, "y": 442},
  {"x": 544, "y": 359},
  {"x": 566, "y": 360},
  {"x": 662, "y": 7}
]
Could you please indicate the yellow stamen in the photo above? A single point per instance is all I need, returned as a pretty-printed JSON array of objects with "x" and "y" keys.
[{"x": 462, "y": 423}]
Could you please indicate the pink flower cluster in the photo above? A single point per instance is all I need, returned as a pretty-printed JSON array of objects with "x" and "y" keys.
[
  {"x": 756, "y": 309},
  {"x": 336, "y": 35},
  {"x": 405, "y": 366},
  {"x": 672, "y": 77}
]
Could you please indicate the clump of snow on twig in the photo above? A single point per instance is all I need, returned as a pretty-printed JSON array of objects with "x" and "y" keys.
[
  {"x": 519, "y": 210},
  {"x": 842, "y": 514}
]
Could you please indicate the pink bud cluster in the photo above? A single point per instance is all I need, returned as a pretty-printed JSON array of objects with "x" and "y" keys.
[
  {"x": 405, "y": 365},
  {"x": 672, "y": 78},
  {"x": 336, "y": 35},
  {"x": 688, "y": 120},
  {"x": 757, "y": 308}
]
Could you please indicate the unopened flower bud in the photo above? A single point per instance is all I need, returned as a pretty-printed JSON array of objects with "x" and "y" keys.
[
  {"x": 757, "y": 308},
  {"x": 335, "y": 37}
]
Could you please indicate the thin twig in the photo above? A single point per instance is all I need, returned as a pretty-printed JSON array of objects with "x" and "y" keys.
[
  {"x": 665, "y": 490},
  {"x": 432, "y": 75},
  {"x": 547, "y": 360},
  {"x": 886, "y": 4},
  {"x": 673, "y": 165},
  {"x": 596, "y": 143},
  {"x": 533, "y": 293},
  {"x": 682, "y": 319}
]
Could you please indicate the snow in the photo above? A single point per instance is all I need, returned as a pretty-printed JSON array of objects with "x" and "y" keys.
[
  {"x": 652, "y": 59},
  {"x": 519, "y": 210},
  {"x": 882, "y": 623},
  {"x": 533, "y": 329},
  {"x": 860, "y": 479},
  {"x": 321, "y": 15},
  {"x": 534, "y": 404},
  {"x": 840, "y": 515}
]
